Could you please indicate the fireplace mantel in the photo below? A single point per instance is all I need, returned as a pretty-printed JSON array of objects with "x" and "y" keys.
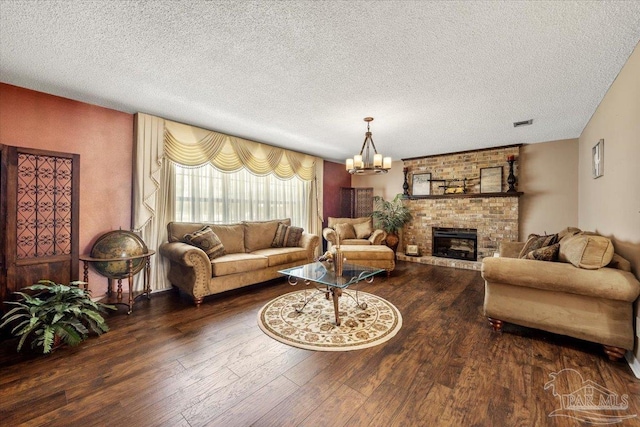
[{"x": 467, "y": 195}]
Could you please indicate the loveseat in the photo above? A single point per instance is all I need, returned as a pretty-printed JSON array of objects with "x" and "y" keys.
[
  {"x": 571, "y": 283},
  {"x": 352, "y": 231},
  {"x": 207, "y": 259}
]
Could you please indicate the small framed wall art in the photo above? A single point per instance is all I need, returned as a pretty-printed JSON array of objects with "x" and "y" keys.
[
  {"x": 597, "y": 159},
  {"x": 491, "y": 180},
  {"x": 421, "y": 184}
]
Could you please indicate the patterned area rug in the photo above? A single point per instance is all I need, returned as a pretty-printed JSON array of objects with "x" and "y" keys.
[{"x": 315, "y": 327}]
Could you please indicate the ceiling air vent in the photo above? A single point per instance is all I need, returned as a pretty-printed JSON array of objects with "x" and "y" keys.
[{"x": 523, "y": 123}]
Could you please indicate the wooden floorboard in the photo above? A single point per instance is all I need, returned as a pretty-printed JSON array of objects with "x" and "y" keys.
[{"x": 172, "y": 364}]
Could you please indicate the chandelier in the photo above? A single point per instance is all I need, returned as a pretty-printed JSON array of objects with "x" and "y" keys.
[{"x": 368, "y": 162}]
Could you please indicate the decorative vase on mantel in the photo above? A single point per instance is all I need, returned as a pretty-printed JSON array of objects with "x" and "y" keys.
[{"x": 511, "y": 179}]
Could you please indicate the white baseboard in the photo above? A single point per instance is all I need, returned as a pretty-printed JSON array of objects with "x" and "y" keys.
[{"x": 634, "y": 363}]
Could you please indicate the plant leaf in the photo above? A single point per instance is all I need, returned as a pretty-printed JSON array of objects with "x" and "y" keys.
[{"x": 48, "y": 338}]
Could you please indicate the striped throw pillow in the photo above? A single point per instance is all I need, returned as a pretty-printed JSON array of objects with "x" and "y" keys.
[
  {"x": 206, "y": 240},
  {"x": 287, "y": 236}
]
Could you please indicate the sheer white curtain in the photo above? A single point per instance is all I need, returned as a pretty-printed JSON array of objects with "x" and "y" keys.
[{"x": 205, "y": 194}]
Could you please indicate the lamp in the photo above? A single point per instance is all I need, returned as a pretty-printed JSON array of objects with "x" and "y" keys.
[{"x": 368, "y": 163}]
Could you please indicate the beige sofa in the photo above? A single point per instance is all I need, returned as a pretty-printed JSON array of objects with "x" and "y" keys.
[
  {"x": 248, "y": 256},
  {"x": 585, "y": 300},
  {"x": 352, "y": 231}
]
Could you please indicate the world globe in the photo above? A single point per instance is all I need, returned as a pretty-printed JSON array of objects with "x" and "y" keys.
[{"x": 118, "y": 244}]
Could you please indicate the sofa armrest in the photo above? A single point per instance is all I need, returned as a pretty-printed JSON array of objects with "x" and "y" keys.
[
  {"x": 310, "y": 242},
  {"x": 377, "y": 237},
  {"x": 330, "y": 235},
  {"x": 511, "y": 249},
  {"x": 188, "y": 256},
  {"x": 605, "y": 283}
]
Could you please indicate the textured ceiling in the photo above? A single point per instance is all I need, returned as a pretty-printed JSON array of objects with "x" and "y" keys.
[{"x": 437, "y": 76}]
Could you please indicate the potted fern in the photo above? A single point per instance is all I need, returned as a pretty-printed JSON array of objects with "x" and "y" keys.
[
  {"x": 391, "y": 216},
  {"x": 54, "y": 315}
]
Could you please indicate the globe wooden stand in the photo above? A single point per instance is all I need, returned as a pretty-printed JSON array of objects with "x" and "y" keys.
[{"x": 119, "y": 297}]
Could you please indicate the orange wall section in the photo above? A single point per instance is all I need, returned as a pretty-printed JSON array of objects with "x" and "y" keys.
[{"x": 102, "y": 137}]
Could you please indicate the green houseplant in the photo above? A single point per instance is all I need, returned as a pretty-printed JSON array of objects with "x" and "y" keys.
[
  {"x": 55, "y": 314},
  {"x": 391, "y": 216}
]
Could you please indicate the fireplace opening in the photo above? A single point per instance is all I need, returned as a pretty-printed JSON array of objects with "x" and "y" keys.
[{"x": 457, "y": 243}]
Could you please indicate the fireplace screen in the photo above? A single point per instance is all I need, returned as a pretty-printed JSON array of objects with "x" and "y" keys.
[{"x": 458, "y": 243}]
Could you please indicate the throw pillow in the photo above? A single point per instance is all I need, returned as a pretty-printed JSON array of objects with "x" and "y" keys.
[
  {"x": 568, "y": 232},
  {"x": 287, "y": 236},
  {"x": 293, "y": 237},
  {"x": 363, "y": 230},
  {"x": 259, "y": 234},
  {"x": 345, "y": 231},
  {"x": 206, "y": 240},
  {"x": 281, "y": 234},
  {"x": 545, "y": 253},
  {"x": 586, "y": 251},
  {"x": 536, "y": 242},
  {"x": 231, "y": 236}
]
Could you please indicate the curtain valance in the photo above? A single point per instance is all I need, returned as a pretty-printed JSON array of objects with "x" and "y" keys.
[{"x": 192, "y": 146}]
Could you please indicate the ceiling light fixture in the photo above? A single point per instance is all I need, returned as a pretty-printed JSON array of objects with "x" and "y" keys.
[{"x": 368, "y": 163}]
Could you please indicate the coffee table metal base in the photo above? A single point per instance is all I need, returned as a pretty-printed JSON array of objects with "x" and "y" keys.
[{"x": 330, "y": 292}]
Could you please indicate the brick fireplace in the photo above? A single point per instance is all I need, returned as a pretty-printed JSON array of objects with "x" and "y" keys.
[{"x": 493, "y": 216}]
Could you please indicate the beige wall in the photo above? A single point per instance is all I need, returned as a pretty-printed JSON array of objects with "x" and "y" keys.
[
  {"x": 549, "y": 179},
  {"x": 610, "y": 204},
  {"x": 386, "y": 185}
]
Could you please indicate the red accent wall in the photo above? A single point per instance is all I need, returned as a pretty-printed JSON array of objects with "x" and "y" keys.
[
  {"x": 102, "y": 137},
  {"x": 335, "y": 177}
]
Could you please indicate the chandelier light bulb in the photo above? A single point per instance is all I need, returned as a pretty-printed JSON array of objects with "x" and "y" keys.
[{"x": 349, "y": 164}]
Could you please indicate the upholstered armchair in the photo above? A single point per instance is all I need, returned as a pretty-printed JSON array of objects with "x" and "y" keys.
[{"x": 352, "y": 231}]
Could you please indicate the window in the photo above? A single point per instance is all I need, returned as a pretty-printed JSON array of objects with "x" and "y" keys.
[{"x": 205, "y": 194}]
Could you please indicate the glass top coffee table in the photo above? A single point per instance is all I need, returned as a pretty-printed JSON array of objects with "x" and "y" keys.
[{"x": 328, "y": 283}]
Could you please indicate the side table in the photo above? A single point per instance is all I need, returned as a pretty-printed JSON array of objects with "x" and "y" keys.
[{"x": 119, "y": 297}]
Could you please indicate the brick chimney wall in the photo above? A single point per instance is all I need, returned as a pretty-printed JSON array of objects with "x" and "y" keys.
[{"x": 495, "y": 218}]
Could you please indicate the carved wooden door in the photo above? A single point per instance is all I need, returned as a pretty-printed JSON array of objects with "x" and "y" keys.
[{"x": 39, "y": 235}]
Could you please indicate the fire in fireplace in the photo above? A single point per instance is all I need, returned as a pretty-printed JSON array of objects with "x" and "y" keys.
[{"x": 458, "y": 243}]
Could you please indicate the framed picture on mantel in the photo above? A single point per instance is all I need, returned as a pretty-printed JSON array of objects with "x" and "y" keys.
[
  {"x": 421, "y": 184},
  {"x": 491, "y": 180}
]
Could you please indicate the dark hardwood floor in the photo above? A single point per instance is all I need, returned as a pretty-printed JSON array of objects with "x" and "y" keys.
[{"x": 172, "y": 364}]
